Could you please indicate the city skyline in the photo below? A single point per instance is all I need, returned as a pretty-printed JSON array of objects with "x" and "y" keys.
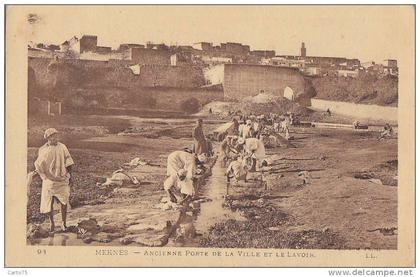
[{"x": 270, "y": 28}]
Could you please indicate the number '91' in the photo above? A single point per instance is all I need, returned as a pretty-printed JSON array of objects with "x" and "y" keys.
[{"x": 41, "y": 251}]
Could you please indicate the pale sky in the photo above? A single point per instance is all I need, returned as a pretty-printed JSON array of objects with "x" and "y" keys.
[{"x": 364, "y": 32}]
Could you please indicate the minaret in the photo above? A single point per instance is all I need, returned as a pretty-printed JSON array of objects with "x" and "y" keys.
[{"x": 303, "y": 50}]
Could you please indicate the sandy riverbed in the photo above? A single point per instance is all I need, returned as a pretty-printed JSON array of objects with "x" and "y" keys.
[{"x": 335, "y": 210}]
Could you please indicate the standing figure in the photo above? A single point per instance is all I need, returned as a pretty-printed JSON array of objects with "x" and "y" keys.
[
  {"x": 328, "y": 112},
  {"x": 226, "y": 148},
  {"x": 200, "y": 144},
  {"x": 54, "y": 165},
  {"x": 246, "y": 131},
  {"x": 235, "y": 130},
  {"x": 286, "y": 125}
]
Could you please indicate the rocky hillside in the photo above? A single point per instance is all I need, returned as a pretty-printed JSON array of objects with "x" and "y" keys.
[{"x": 366, "y": 89}]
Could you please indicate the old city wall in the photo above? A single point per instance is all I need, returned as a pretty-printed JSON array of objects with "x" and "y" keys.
[
  {"x": 170, "y": 99},
  {"x": 83, "y": 84},
  {"x": 249, "y": 80},
  {"x": 171, "y": 76},
  {"x": 38, "y": 67},
  {"x": 203, "y": 96},
  {"x": 86, "y": 74},
  {"x": 150, "y": 56}
]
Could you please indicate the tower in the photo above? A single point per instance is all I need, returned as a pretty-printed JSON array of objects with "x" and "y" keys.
[{"x": 303, "y": 50}]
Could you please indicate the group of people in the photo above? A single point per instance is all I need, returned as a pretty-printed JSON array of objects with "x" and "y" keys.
[
  {"x": 242, "y": 147},
  {"x": 253, "y": 126},
  {"x": 241, "y": 150},
  {"x": 54, "y": 163},
  {"x": 236, "y": 147}
]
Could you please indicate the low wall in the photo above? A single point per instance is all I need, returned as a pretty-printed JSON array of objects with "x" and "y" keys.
[
  {"x": 361, "y": 111},
  {"x": 173, "y": 98},
  {"x": 169, "y": 99}
]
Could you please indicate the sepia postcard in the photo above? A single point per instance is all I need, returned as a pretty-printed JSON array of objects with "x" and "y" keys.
[{"x": 210, "y": 136}]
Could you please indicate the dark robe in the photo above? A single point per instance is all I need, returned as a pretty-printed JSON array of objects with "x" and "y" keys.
[{"x": 200, "y": 143}]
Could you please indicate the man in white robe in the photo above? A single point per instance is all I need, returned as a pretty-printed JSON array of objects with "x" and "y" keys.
[
  {"x": 246, "y": 131},
  {"x": 254, "y": 148},
  {"x": 176, "y": 185},
  {"x": 178, "y": 160},
  {"x": 53, "y": 165}
]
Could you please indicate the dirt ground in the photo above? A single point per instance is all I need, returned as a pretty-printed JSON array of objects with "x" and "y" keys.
[
  {"x": 100, "y": 145},
  {"x": 334, "y": 210},
  {"x": 342, "y": 207}
]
